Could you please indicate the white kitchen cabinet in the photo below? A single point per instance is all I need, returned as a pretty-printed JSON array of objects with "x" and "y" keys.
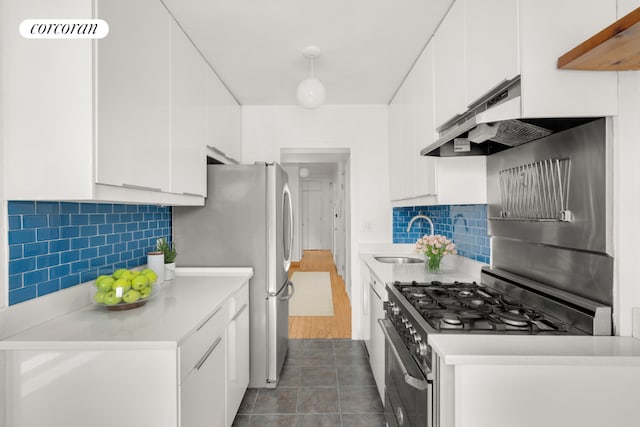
[
  {"x": 104, "y": 132},
  {"x": 481, "y": 44},
  {"x": 365, "y": 332},
  {"x": 491, "y": 45},
  {"x": 408, "y": 133},
  {"x": 377, "y": 296},
  {"x": 395, "y": 150},
  {"x": 165, "y": 364},
  {"x": 425, "y": 134},
  {"x": 188, "y": 115},
  {"x": 203, "y": 372},
  {"x": 223, "y": 121},
  {"x": 449, "y": 65},
  {"x": 133, "y": 95},
  {"x": 237, "y": 352},
  {"x": 548, "y": 29}
]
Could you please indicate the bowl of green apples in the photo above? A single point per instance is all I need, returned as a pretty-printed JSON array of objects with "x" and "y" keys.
[{"x": 124, "y": 289}]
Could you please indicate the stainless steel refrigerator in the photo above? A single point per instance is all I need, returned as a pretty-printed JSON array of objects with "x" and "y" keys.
[{"x": 247, "y": 221}]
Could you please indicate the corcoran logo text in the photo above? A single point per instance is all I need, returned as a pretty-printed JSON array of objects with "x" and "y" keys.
[{"x": 64, "y": 28}]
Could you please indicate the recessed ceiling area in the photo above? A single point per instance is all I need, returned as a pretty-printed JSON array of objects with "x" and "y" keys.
[{"x": 368, "y": 46}]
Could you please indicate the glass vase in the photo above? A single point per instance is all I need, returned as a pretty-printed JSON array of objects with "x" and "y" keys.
[{"x": 433, "y": 264}]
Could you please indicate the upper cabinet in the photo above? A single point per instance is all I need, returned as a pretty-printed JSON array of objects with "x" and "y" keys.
[
  {"x": 188, "y": 115},
  {"x": 411, "y": 127},
  {"x": 491, "y": 45},
  {"x": 449, "y": 65},
  {"x": 133, "y": 95},
  {"x": 479, "y": 45},
  {"x": 126, "y": 118}
]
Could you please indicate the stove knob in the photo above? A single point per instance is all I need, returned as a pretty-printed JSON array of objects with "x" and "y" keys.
[
  {"x": 421, "y": 349},
  {"x": 395, "y": 310},
  {"x": 416, "y": 338},
  {"x": 412, "y": 330},
  {"x": 404, "y": 321}
]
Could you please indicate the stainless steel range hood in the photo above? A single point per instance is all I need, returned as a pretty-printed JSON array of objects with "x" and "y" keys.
[{"x": 493, "y": 124}]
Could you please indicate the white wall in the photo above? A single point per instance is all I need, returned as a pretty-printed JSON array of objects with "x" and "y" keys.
[
  {"x": 362, "y": 129},
  {"x": 626, "y": 182}
]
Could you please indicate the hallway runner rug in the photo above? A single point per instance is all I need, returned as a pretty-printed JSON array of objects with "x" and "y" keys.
[{"x": 312, "y": 295}]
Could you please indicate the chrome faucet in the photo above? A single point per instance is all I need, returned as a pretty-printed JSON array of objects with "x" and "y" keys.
[{"x": 420, "y": 217}]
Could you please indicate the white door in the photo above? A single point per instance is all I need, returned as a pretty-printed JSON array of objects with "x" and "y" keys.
[{"x": 317, "y": 221}]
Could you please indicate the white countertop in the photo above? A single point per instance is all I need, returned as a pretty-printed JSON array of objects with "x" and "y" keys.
[
  {"x": 454, "y": 267},
  {"x": 162, "y": 322},
  {"x": 556, "y": 350}
]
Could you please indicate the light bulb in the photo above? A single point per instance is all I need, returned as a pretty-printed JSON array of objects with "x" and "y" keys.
[{"x": 311, "y": 93}]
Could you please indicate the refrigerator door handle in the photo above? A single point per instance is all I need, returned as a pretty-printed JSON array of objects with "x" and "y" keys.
[
  {"x": 288, "y": 246},
  {"x": 288, "y": 296}
]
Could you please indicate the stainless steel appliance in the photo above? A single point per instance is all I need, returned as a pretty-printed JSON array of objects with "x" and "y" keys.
[
  {"x": 551, "y": 272},
  {"x": 247, "y": 221},
  {"x": 494, "y": 123}
]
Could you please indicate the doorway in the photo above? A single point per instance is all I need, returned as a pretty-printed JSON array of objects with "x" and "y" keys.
[{"x": 319, "y": 182}]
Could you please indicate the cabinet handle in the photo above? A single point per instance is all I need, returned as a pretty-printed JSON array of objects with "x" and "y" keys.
[
  {"x": 141, "y": 187},
  {"x": 208, "y": 353},
  {"x": 208, "y": 318},
  {"x": 374, "y": 289},
  {"x": 191, "y": 194},
  {"x": 238, "y": 313}
]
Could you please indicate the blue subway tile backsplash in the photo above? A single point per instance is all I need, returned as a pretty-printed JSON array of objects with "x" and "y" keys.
[
  {"x": 56, "y": 245},
  {"x": 465, "y": 225}
]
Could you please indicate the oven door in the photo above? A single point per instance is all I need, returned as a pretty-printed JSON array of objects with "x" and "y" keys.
[{"x": 408, "y": 392}]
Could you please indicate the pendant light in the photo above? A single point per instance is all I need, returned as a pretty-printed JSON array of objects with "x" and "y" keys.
[{"x": 311, "y": 91}]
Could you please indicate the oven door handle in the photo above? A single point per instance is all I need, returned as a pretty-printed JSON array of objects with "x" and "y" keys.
[{"x": 394, "y": 341}]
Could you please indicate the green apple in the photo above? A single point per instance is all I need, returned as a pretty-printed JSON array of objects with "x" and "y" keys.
[
  {"x": 99, "y": 297},
  {"x": 111, "y": 299},
  {"x": 139, "y": 282},
  {"x": 147, "y": 270},
  {"x": 105, "y": 283},
  {"x": 121, "y": 286},
  {"x": 118, "y": 273},
  {"x": 151, "y": 276},
  {"x": 126, "y": 275},
  {"x": 145, "y": 292},
  {"x": 134, "y": 273},
  {"x": 131, "y": 296}
]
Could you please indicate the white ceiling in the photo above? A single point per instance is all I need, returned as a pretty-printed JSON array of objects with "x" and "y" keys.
[{"x": 368, "y": 46}]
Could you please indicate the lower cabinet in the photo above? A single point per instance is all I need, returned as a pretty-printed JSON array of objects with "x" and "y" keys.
[
  {"x": 377, "y": 296},
  {"x": 202, "y": 393},
  {"x": 237, "y": 354}
]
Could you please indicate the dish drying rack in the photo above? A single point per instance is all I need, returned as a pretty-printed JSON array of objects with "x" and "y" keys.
[{"x": 536, "y": 191}]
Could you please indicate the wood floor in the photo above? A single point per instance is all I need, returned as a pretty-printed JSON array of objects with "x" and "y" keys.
[{"x": 336, "y": 326}]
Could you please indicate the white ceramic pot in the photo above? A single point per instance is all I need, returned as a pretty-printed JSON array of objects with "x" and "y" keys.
[{"x": 170, "y": 271}]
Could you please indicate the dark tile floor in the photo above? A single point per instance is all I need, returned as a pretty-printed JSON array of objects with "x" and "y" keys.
[{"x": 324, "y": 383}]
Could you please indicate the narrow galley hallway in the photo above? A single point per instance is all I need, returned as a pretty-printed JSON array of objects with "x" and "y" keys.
[
  {"x": 336, "y": 326},
  {"x": 326, "y": 382}
]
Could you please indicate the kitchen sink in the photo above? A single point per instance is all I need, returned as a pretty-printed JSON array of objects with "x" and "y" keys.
[{"x": 398, "y": 259}]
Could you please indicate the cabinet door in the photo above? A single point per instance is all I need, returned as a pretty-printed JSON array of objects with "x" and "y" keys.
[
  {"x": 47, "y": 105},
  {"x": 376, "y": 350},
  {"x": 133, "y": 95},
  {"x": 365, "y": 319},
  {"x": 188, "y": 116},
  {"x": 202, "y": 393},
  {"x": 237, "y": 361},
  {"x": 395, "y": 151},
  {"x": 425, "y": 133},
  {"x": 408, "y": 138},
  {"x": 548, "y": 30},
  {"x": 491, "y": 45},
  {"x": 449, "y": 70}
]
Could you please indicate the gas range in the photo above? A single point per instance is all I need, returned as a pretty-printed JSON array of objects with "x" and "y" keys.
[
  {"x": 469, "y": 307},
  {"x": 503, "y": 303}
]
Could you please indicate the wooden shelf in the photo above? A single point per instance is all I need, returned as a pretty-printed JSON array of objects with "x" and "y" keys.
[{"x": 616, "y": 48}]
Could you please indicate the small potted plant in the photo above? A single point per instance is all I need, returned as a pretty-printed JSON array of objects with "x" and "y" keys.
[
  {"x": 434, "y": 248},
  {"x": 169, "y": 251}
]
